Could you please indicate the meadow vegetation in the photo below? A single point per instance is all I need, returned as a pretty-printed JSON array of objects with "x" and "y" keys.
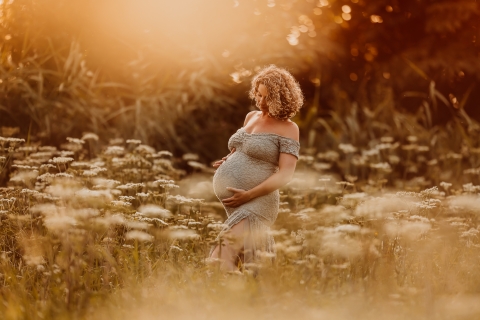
[
  {"x": 126, "y": 232},
  {"x": 111, "y": 112}
]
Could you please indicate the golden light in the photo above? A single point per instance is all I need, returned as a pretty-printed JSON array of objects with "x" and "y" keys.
[
  {"x": 346, "y": 16},
  {"x": 353, "y": 76},
  {"x": 338, "y": 19},
  {"x": 376, "y": 19},
  {"x": 323, "y": 3},
  {"x": 354, "y": 52},
  {"x": 292, "y": 39},
  {"x": 346, "y": 9},
  {"x": 317, "y": 11},
  {"x": 295, "y": 31},
  {"x": 389, "y": 8},
  {"x": 386, "y": 75}
]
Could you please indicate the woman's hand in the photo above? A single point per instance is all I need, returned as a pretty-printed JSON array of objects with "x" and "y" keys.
[
  {"x": 239, "y": 197},
  {"x": 217, "y": 163}
]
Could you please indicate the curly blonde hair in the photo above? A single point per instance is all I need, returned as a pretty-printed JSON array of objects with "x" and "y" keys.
[{"x": 284, "y": 97}]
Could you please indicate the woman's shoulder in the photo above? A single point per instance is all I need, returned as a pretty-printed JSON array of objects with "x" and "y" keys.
[
  {"x": 249, "y": 116},
  {"x": 289, "y": 129}
]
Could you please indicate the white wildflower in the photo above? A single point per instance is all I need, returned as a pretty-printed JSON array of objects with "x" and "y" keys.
[
  {"x": 75, "y": 140},
  {"x": 118, "y": 203},
  {"x": 126, "y": 198},
  {"x": 469, "y": 187},
  {"x": 183, "y": 234},
  {"x": 61, "y": 160},
  {"x": 90, "y": 136},
  {"x": 29, "y": 192},
  {"x": 64, "y": 153},
  {"x": 331, "y": 214},
  {"x": 138, "y": 235},
  {"x": 370, "y": 153},
  {"x": 383, "y": 207},
  {"x": 330, "y": 155},
  {"x": 190, "y": 157},
  {"x": 133, "y": 141},
  {"x": 57, "y": 219},
  {"x": 143, "y": 195},
  {"x": 151, "y": 210},
  {"x": 196, "y": 165},
  {"x": 340, "y": 245},
  {"x": 164, "y": 153},
  {"x": 453, "y": 155},
  {"x": 410, "y": 230},
  {"x": 347, "y": 148},
  {"x": 34, "y": 260},
  {"x": 108, "y": 220},
  {"x": 347, "y": 228},
  {"x": 162, "y": 182},
  {"x": 216, "y": 226},
  {"x": 94, "y": 195},
  {"x": 465, "y": 203},
  {"x": 383, "y": 166},
  {"x": 23, "y": 167},
  {"x": 131, "y": 186},
  {"x": 178, "y": 199},
  {"x": 24, "y": 176},
  {"x": 472, "y": 233},
  {"x": 132, "y": 224},
  {"x": 321, "y": 166},
  {"x": 105, "y": 183},
  {"x": 115, "y": 150}
]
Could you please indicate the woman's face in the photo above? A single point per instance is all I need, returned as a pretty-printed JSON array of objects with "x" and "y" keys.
[{"x": 260, "y": 98}]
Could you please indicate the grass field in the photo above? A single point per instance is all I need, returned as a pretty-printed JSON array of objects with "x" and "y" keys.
[{"x": 125, "y": 234}]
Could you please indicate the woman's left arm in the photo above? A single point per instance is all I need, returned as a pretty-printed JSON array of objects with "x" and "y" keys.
[{"x": 286, "y": 164}]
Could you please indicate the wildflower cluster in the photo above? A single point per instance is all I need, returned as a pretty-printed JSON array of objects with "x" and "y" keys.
[{"x": 75, "y": 227}]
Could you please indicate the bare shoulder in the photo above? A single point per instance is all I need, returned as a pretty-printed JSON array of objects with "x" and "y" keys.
[
  {"x": 249, "y": 116},
  {"x": 290, "y": 130}
]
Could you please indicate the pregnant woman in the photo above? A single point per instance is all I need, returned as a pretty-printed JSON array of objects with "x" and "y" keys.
[{"x": 263, "y": 156}]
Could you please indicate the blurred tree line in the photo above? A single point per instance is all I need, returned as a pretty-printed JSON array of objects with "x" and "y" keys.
[{"x": 175, "y": 74}]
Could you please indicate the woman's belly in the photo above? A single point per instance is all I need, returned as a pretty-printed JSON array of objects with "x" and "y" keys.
[{"x": 242, "y": 172}]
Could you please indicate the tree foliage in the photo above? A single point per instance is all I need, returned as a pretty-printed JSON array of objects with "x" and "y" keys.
[{"x": 175, "y": 74}]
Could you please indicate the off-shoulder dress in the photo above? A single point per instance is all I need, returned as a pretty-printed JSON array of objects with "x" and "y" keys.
[{"x": 254, "y": 160}]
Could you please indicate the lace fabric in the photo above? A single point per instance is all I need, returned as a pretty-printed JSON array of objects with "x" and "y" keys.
[{"x": 255, "y": 160}]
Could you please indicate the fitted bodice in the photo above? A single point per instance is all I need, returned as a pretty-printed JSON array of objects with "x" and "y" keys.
[{"x": 263, "y": 146}]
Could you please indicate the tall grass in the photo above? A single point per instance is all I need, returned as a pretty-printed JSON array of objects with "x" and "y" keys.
[{"x": 125, "y": 233}]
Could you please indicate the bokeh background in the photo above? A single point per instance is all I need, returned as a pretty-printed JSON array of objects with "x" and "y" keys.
[
  {"x": 175, "y": 74},
  {"x": 111, "y": 110}
]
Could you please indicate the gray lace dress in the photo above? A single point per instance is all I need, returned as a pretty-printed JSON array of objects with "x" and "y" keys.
[{"x": 255, "y": 159}]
